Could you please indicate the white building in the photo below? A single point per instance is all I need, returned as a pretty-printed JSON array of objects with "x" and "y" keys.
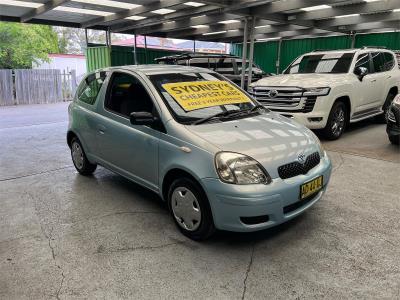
[{"x": 65, "y": 63}]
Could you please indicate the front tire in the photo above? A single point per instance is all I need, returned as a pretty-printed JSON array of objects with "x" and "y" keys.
[
  {"x": 337, "y": 121},
  {"x": 190, "y": 209},
  {"x": 81, "y": 163}
]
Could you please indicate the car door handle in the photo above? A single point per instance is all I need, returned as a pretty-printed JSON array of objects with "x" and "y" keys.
[
  {"x": 390, "y": 76},
  {"x": 101, "y": 129},
  {"x": 373, "y": 80}
]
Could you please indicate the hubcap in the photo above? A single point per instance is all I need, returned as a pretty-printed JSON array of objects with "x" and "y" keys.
[
  {"x": 338, "y": 121},
  {"x": 77, "y": 155},
  {"x": 186, "y": 209}
]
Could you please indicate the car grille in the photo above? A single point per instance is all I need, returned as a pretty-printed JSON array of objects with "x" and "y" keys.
[
  {"x": 295, "y": 168},
  {"x": 284, "y": 99}
]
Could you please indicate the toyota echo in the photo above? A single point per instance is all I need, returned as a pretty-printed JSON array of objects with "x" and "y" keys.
[{"x": 214, "y": 154}]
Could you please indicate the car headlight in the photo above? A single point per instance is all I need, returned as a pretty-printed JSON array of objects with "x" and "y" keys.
[
  {"x": 318, "y": 91},
  {"x": 240, "y": 169},
  {"x": 318, "y": 142}
]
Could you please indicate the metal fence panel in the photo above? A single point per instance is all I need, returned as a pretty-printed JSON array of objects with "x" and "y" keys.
[
  {"x": 6, "y": 88},
  {"x": 38, "y": 86}
]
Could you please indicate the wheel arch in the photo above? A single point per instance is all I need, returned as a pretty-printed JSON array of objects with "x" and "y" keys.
[
  {"x": 393, "y": 91},
  {"x": 70, "y": 136},
  {"x": 175, "y": 173},
  {"x": 346, "y": 100}
]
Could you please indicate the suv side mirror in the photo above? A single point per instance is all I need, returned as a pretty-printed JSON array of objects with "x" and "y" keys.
[
  {"x": 361, "y": 72},
  {"x": 142, "y": 118}
]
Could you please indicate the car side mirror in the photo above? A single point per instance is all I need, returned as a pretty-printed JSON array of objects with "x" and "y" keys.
[
  {"x": 360, "y": 72},
  {"x": 142, "y": 118}
]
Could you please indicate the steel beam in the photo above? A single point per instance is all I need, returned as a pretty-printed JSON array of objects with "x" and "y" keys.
[
  {"x": 49, "y": 5},
  {"x": 154, "y": 5},
  {"x": 359, "y": 8},
  {"x": 351, "y": 20},
  {"x": 244, "y": 53},
  {"x": 251, "y": 52}
]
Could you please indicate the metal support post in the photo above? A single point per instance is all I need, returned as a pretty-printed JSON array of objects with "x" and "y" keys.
[
  {"x": 244, "y": 54},
  {"x": 251, "y": 52}
]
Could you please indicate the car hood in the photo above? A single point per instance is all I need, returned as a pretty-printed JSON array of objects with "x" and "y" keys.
[
  {"x": 302, "y": 80},
  {"x": 269, "y": 138}
]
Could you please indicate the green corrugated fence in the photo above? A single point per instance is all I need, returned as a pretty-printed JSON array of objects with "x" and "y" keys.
[
  {"x": 102, "y": 56},
  {"x": 266, "y": 53}
]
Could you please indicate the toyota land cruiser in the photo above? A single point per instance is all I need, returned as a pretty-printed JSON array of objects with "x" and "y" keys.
[{"x": 327, "y": 90}]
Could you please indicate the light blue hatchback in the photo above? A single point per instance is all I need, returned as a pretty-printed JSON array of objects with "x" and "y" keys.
[{"x": 219, "y": 159}]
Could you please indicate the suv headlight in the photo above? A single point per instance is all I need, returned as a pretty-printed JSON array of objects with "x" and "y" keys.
[
  {"x": 240, "y": 169},
  {"x": 318, "y": 91}
]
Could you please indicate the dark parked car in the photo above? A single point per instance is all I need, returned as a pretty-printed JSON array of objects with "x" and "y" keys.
[
  {"x": 228, "y": 65},
  {"x": 393, "y": 121}
]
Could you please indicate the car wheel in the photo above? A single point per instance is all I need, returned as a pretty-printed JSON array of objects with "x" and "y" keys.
[
  {"x": 383, "y": 118},
  {"x": 190, "y": 209},
  {"x": 337, "y": 121},
  {"x": 394, "y": 139},
  {"x": 81, "y": 163}
]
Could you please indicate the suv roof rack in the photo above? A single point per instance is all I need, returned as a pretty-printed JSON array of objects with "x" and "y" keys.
[
  {"x": 193, "y": 55},
  {"x": 376, "y": 47},
  {"x": 327, "y": 50}
]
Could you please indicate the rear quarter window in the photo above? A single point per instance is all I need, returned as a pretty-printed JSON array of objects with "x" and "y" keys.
[{"x": 90, "y": 87}]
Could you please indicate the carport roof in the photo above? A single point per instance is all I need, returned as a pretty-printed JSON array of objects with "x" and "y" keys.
[{"x": 211, "y": 20}]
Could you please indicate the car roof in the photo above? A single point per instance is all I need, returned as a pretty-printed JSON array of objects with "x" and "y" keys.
[{"x": 154, "y": 69}]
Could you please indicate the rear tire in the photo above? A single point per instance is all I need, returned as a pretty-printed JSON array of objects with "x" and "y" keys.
[
  {"x": 81, "y": 163},
  {"x": 337, "y": 121},
  {"x": 394, "y": 139},
  {"x": 190, "y": 209},
  {"x": 383, "y": 118}
]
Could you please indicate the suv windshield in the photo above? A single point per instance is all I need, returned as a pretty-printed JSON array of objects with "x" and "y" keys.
[
  {"x": 321, "y": 63},
  {"x": 207, "y": 103}
]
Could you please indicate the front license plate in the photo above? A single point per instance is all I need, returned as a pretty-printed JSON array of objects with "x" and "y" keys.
[{"x": 309, "y": 188}]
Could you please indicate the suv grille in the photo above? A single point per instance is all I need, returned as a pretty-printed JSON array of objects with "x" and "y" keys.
[
  {"x": 284, "y": 99},
  {"x": 295, "y": 168}
]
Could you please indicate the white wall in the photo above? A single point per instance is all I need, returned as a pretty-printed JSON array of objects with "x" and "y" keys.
[{"x": 65, "y": 64}]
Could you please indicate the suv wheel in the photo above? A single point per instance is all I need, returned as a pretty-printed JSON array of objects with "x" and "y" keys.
[
  {"x": 81, "y": 163},
  {"x": 383, "y": 118},
  {"x": 337, "y": 121},
  {"x": 190, "y": 209}
]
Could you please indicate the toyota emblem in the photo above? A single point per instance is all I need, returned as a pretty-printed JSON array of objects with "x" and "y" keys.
[
  {"x": 272, "y": 93},
  {"x": 301, "y": 158}
]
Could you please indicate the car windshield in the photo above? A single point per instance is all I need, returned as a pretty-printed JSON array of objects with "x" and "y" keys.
[
  {"x": 321, "y": 63},
  {"x": 211, "y": 96}
]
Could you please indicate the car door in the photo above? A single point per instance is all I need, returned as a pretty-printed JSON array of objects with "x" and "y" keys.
[
  {"x": 364, "y": 92},
  {"x": 379, "y": 77},
  {"x": 131, "y": 150},
  {"x": 84, "y": 114}
]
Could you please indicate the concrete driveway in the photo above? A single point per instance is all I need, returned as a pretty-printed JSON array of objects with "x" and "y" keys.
[{"x": 67, "y": 236}]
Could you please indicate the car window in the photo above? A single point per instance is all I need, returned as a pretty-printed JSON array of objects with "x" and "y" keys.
[
  {"x": 363, "y": 60},
  {"x": 188, "y": 117},
  {"x": 378, "y": 60},
  {"x": 126, "y": 94},
  {"x": 225, "y": 66},
  {"x": 321, "y": 63},
  {"x": 389, "y": 61},
  {"x": 199, "y": 62},
  {"x": 90, "y": 87}
]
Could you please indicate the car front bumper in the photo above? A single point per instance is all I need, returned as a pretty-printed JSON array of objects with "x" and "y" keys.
[{"x": 278, "y": 200}]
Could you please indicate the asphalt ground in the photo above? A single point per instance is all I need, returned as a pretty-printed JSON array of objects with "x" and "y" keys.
[{"x": 66, "y": 236}]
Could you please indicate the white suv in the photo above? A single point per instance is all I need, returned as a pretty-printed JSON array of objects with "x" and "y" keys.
[{"x": 328, "y": 89}]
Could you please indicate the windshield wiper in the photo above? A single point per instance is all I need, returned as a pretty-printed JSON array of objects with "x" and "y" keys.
[{"x": 218, "y": 115}]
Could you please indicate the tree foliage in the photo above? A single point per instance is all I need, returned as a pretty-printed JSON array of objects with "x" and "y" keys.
[
  {"x": 23, "y": 44},
  {"x": 73, "y": 40}
]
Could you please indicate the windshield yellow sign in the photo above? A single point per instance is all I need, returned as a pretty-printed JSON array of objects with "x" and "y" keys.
[{"x": 194, "y": 95}]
